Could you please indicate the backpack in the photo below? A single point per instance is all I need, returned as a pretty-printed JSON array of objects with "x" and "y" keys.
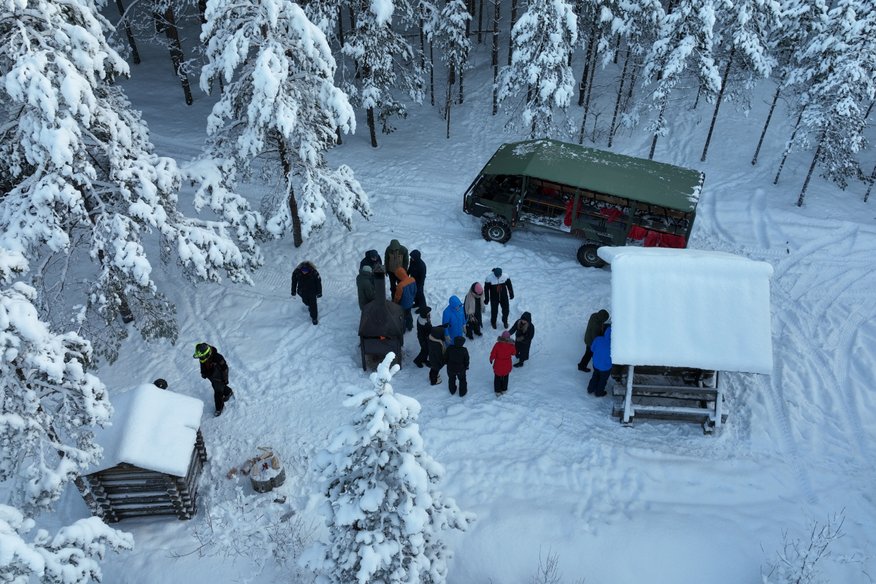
[{"x": 409, "y": 294}]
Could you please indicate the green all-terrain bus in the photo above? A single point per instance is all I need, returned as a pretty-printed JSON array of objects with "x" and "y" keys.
[{"x": 601, "y": 197}]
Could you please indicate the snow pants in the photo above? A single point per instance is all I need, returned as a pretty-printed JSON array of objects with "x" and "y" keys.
[
  {"x": 598, "y": 381},
  {"x": 221, "y": 392},
  {"x": 452, "y": 378},
  {"x": 500, "y": 384},
  {"x": 494, "y": 311}
]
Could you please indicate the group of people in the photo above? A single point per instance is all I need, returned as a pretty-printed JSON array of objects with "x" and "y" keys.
[{"x": 441, "y": 345}]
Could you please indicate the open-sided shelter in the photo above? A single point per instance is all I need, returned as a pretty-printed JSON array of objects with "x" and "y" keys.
[
  {"x": 153, "y": 454},
  {"x": 679, "y": 316}
]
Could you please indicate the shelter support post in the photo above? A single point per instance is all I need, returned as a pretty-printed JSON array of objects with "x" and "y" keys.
[{"x": 628, "y": 398}]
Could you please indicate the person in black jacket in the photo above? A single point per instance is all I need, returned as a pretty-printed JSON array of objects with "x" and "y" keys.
[
  {"x": 436, "y": 353},
  {"x": 424, "y": 327},
  {"x": 417, "y": 271},
  {"x": 457, "y": 365},
  {"x": 214, "y": 368},
  {"x": 307, "y": 284},
  {"x": 497, "y": 292},
  {"x": 523, "y": 331}
]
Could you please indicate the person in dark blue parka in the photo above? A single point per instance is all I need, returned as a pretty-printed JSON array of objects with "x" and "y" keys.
[
  {"x": 454, "y": 319},
  {"x": 417, "y": 271},
  {"x": 601, "y": 348}
]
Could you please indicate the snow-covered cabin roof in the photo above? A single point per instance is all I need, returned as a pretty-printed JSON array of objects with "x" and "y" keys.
[
  {"x": 689, "y": 308},
  {"x": 151, "y": 428}
]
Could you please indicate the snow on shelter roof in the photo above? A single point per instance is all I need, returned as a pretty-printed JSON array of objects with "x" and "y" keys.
[
  {"x": 689, "y": 308},
  {"x": 604, "y": 172},
  {"x": 153, "y": 429}
]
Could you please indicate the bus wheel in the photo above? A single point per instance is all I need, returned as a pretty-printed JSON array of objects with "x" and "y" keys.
[
  {"x": 588, "y": 257},
  {"x": 496, "y": 230}
]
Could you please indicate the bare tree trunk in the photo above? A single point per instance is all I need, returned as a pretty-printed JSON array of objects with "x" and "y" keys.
[
  {"x": 869, "y": 109},
  {"x": 587, "y": 99},
  {"x": 718, "y": 103},
  {"x": 135, "y": 54},
  {"x": 423, "y": 61},
  {"x": 297, "y": 238},
  {"x": 371, "y": 129},
  {"x": 494, "y": 54},
  {"x": 202, "y": 11},
  {"x": 511, "y": 28},
  {"x": 656, "y": 135},
  {"x": 766, "y": 124},
  {"x": 697, "y": 98},
  {"x": 432, "y": 76},
  {"x": 480, "y": 21},
  {"x": 582, "y": 88},
  {"x": 448, "y": 99},
  {"x": 352, "y": 16},
  {"x": 340, "y": 26},
  {"x": 617, "y": 44},
  {"x": 469, "y": 4},
  {"x": 620, "y": 92},
  {"x": 176, "y": 53},
  {"x": 788, "y": 147},
  {"x": 870, "y": 187},
  {"x": 811, "y": 169}
]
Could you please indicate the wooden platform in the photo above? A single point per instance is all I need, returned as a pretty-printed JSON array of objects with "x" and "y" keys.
[{"x": 668, "y": 393}]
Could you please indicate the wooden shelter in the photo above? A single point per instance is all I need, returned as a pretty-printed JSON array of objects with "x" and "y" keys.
[
  {"x": 680, "y": 317},
  {"x": 153, "y": 456}
]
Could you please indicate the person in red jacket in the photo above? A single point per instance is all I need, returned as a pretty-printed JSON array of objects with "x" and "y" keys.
[{"x": 500, "y": 357}]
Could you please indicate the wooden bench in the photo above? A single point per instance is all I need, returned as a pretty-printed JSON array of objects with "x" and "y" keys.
[{"x": 668, "y": 393}]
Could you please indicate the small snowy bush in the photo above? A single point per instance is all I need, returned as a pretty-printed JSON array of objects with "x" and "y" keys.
[{"x": 383, "y": 509}]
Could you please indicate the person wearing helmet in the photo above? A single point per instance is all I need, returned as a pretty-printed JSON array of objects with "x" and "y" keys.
[{"x": 215, "y": 369}]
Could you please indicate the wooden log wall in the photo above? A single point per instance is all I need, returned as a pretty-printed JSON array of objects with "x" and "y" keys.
[{"x": 129, "y": 491}]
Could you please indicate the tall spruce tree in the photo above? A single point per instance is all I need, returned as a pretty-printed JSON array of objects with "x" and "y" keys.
[
  {"x": 385, "y": 514},
  {"x": 82, "y": 182},
  {"x": 837, "y": 73},
  {"x": 280, "y": 103},
  {"x": 744, "y": 47},
  {"x": 685, "y": 39},
  {"x": 447, "y": 30},
  {"x": 539, "y": 79},
  {"x": 385, "y": 62}
]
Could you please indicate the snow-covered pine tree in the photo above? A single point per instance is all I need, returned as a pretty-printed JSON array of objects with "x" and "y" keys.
[
  {"x": 71, "y": 556},
  {"x": 837, "y": 73},
  {"x": 385, "y": 514},
  {"x": 796, "y": 19},
  {"x": 280, "y": 102},
  {"x": 81, "y": 180},
  {"x": 635, "y": 23},
  {"x": 540, "y": 78},
  {"x": 744, "y": 47},
  {"x": 685, "y": 38},
  {"x": 384, "y": 61},
  {"x": 49, "y": 408},
  {"x": 447, "y": 30}
]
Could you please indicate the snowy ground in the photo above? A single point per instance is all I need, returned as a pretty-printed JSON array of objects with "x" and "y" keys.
[{"x": 545, "y": 468}]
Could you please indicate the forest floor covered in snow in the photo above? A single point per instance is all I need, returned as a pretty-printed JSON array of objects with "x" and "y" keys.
[{"x": 546, "y": 468}]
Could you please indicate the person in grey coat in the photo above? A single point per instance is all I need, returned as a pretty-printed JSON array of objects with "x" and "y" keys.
[
  {"x": 365, "y": 286},
  {"x": 595, "y": 328}
]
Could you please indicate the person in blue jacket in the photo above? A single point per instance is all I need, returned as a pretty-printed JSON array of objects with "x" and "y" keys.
[
  {"x": 453, "y": 319},
  {"x": 601, "y": 348}
]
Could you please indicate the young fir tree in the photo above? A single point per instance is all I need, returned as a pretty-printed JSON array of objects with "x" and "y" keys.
[
  {"x": 49, "y": 408},
  {"x": 837, "y": 73},
  {"x": 280, "y": 101},
  {"x": 384, "y": 62},
  {"x": 540, "y": 75},
  {"x": 383, "y": 508},
  {"x": 447, "y": 30},
  {"x": 685, "y": 38},
  {"x": 82, "y": 182},
  {"x": 744, "y": 41}
]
